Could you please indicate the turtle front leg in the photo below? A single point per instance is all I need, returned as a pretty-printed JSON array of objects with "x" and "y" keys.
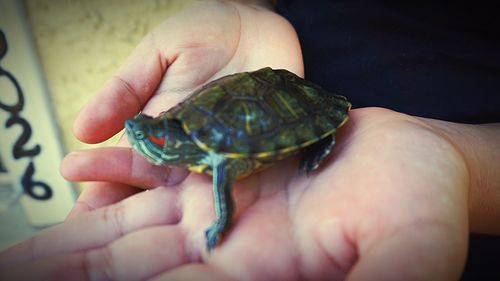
[{"x": 223, "y": 178}]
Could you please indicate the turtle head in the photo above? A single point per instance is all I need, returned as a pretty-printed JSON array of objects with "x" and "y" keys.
[{"x": 161, "y": 140}]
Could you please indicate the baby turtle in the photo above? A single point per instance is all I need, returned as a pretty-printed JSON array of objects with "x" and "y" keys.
[{"x": 239, "y": 124}]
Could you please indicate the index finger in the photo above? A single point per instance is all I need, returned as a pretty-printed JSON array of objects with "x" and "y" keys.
[{"x": 123, "y": 96}]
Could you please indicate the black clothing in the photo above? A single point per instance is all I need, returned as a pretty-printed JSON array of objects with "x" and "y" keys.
[{"x": 427, "y": 59}]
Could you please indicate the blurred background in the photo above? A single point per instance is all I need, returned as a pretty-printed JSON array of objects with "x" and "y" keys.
[{"x": 55, "y": 55}]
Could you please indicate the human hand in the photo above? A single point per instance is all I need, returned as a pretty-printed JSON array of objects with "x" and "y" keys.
[
  {"x": 158, "y": 89},
  {"x": 207, "y": 41},
  {"x": 390, "y": 203}
]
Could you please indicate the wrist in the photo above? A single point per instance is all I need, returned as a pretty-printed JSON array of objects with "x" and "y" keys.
[{"x": 479, "y": 146}]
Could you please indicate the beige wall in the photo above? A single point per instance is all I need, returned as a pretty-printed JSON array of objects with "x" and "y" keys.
[{"x": 82, "y": 42}]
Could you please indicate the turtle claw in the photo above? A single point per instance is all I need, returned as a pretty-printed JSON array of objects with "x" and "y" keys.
[{"x": 213, "y": 235}]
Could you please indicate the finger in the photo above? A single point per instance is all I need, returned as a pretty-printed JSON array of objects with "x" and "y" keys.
[
  {"x": 122, "y": 165},
  {"x": 135, "y": 257},
  {"x": 97, "y": 228},
  {"x": 100, "y": 194},
  {"x": 123, "y": 96},
  {"x": 421, "y": 252},
  {"x": 155, "y": 250},
  {"x": 195, "y": 272}
]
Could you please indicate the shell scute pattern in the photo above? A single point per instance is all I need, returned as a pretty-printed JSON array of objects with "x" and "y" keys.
[{"x": 260, "y": 114}]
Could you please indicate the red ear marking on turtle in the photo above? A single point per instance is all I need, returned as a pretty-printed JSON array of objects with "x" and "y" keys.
[{"x": 157, "y": 140}]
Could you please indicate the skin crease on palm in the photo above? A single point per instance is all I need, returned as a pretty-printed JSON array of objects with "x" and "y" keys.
[{"x": 395, "y": 200}]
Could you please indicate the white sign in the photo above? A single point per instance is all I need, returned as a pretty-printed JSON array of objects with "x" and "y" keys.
[{"x": 30, "y": 146}]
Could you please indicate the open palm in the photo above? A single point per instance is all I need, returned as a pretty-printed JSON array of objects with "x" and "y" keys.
[{"x": 389, "y": 204}]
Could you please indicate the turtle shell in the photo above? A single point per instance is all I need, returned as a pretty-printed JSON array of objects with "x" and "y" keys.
[{"x": 260, "y": 114}]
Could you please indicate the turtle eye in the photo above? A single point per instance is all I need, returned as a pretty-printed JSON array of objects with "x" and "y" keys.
[
  {"x": 157, "y": 140},
  {"x": 139, "y": 135}
]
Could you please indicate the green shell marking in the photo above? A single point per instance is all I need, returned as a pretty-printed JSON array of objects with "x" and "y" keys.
[{"x": 260, "y": 114}]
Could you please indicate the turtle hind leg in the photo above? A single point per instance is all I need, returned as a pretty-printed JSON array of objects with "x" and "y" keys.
[
  {"x": 314, "y": 154},
  {"x": 223, "y": 178}
]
